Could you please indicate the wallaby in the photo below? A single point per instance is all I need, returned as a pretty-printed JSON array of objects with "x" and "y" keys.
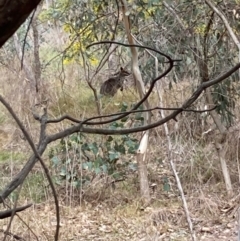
[{"x": 111, "y": 86}]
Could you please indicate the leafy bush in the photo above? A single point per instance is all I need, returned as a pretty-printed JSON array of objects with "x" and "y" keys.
[{"x": 80, "y": 158}]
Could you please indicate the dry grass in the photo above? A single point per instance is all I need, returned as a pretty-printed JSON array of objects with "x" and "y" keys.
[
  {"x": 116, "y": 214},
  {"x": 89, "y": 223},
  {"x": 113, "y": 219}
]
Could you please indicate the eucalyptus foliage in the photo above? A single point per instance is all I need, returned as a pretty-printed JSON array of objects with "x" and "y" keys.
[{"x": 186, "y": 30}]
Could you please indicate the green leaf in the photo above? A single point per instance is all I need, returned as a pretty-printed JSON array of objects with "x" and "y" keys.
[
  {"x": 139, "y": 115},
  {"x": 85, "y": 147},
  {"x": 76, "y": 184},
  {"x": 87, "y": 166},
  {"x": 166, "y": 185},
  {"x": 105, "y": 168},
  {"x": 116, "y": 175},
  {"x": 132, "y": 145},
  {"x": 98, "y": 161},
  {"x": 120, "y": 148},
  {"x": 55, "y": 160},
  {"x": 93, "y": 147},
  {"x": 97, "y": 170},
  {"x": 124, "y": 107},
  {"x": 114, "y": 125},
  {"x": 113, "y": 156}
]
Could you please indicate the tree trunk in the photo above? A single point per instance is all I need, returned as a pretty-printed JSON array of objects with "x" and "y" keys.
[
  {"x": 143, "y": 178},
  {"x": 12, "y": 14},
  {"x": 141, "y": 153}
]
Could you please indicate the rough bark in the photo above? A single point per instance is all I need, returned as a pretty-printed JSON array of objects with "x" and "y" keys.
[{"x": 12, "y": 14}]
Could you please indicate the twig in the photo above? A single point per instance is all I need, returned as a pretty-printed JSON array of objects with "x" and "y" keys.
[
  {"x": 27, "y": 136},
  {"x": 86, "y": 121}
]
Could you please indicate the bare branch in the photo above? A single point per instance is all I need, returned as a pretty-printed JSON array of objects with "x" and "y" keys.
[
  {"x": 225, "y": 21},
  {"x": 67, "y": 117},
  {"x": 145, "y": 97},
  {"x": 227, "y": 25},
  {"x": 37, "y": 155},
  {"x": 10, "y": 212},
  {"x": 173, "y": 115}
]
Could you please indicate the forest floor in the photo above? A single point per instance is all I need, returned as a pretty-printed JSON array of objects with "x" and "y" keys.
[
  {"x": 119, "y": 218},
  {"x": 118, "y": 214},
  {"x": 104, "y": 223}
]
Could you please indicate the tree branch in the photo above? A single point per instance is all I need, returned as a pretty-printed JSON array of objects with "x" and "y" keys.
[
  {"x": 173, "y": 115},
  {"x": 10, "y": 212},
  {"x": 36, "y": 155},
  {"x": 153, "y": 82},
  {"x": 12, "y": 14}
]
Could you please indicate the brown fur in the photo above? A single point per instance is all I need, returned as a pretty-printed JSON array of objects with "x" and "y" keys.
[{"x": 111, "y": 86}]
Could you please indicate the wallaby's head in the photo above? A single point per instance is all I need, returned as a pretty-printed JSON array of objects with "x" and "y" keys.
[{"x": 123, "y": 72}]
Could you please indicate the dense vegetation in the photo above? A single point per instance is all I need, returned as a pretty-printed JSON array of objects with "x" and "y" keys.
[{"x": 170, "y": 131}]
